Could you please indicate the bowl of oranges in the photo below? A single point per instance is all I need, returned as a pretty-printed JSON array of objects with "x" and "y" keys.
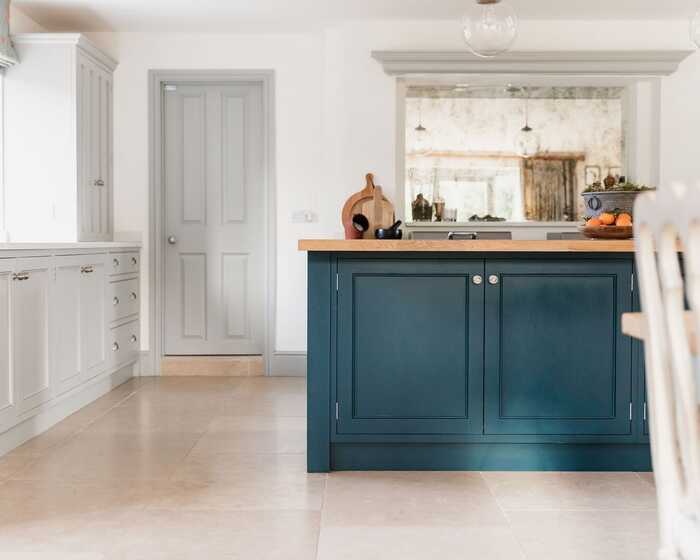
[{"x": 609, "y": 225}]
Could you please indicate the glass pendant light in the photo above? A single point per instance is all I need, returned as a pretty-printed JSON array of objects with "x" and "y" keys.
[
  {"x": 490, "y": 27},
  {"x": 527, "y": 141},
  {"x": 695, "y": 29},
  {"x": 421, "y": 144}
]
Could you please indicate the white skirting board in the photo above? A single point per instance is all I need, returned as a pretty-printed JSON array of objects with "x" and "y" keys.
[{"x": 64, "y": 406}]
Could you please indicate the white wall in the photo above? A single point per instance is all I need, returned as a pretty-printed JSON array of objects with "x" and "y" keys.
[{"x": 336, "y": 117}]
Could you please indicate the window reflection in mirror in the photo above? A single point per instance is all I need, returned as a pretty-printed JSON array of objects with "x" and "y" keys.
[{"x": 509, "y": 153}]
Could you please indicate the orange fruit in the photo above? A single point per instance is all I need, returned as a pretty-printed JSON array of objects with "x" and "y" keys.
[
  {"x": 623, "y": 219},
  {"x": 606, "y": 219},
  {"x": 593, "y": 222}
]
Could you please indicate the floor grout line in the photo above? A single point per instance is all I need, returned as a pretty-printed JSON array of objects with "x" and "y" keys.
[{"x": 521, "y": 547}]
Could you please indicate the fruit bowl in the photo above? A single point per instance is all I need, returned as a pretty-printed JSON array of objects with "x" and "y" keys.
[{"x": 607, "y": 232}]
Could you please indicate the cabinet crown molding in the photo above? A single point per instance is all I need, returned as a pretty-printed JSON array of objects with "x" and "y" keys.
[
  {"x": 599, "y": 63},
  {"x": 77, "y": 39}
]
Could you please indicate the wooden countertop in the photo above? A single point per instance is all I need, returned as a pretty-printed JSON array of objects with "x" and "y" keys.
[{"x": 467, "y": 246}]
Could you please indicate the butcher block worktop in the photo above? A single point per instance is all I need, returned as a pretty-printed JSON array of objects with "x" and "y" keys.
[{"x": 467, "y": 246}]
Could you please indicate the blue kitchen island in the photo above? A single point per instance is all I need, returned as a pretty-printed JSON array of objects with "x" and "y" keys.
[{"x": 473, "y": 355}]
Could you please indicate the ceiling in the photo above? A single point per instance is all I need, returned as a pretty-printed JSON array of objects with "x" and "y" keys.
[{"x": 236, "y": 15}]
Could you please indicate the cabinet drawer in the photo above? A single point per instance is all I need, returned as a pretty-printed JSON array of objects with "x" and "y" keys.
[
  {"x": 123, "y": 298},
  {"x": 124, "y": 343},
  {"x": 124, "y": 263}
]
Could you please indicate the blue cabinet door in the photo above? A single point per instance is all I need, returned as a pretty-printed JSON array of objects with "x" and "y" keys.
[
  {"x": 409, "y": 347},
  {"x": 556, "y": 361}
]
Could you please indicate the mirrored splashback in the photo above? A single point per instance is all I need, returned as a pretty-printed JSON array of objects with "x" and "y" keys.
[{"x": 509, "y": 152}]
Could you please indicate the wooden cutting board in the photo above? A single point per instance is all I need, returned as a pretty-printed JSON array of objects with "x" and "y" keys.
[{"x": 372, "y": 203}]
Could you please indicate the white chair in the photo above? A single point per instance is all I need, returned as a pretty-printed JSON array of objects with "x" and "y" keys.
[{"x": 663, "y": 221}]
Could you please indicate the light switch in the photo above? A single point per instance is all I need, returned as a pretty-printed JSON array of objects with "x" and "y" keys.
[{"x": 303, "y": 217}]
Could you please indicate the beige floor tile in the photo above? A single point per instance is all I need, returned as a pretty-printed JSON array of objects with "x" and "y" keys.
[
  {"x": 204, "y": 467},
  {"x": 144, "y": 456},
  {"x": 131, "y": 420},
  {"x": 418, "y": 543},
  {"x": 409, "y": 499},
  {"x": 582, "y": 535},
  {"x": 570, "y": 491},
  {"x": 245, "y": 491},
  {"x": 252, "y": 441},
  {"x": 648, "y": 477},
  {"x": 12, "y": 463}
]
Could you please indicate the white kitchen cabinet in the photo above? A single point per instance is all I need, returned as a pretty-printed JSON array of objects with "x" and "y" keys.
[
  {"x": 93, "y": 317},
  {"x": 79, "y": 324},
  {"x": 31, "y": 293},
  {"x": 58, "y": 140},
  {"x": 8, "y": 410}
]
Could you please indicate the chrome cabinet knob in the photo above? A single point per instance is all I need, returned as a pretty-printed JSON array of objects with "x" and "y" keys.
[
  {"x": 115, "y": 262},
  {"x": 115, "y": 347},
  {"x": 477, "y": 279},
  {"x": 132, "y": 295},
  {"x": 172, "y": 240},
  {"x": 99, "y": 183},
  {"x": 133, "y": 338},
  {"x": 115, "y": 300},
  {"x": 493, "y": 279},
  {"x": 134, "y": 261}
]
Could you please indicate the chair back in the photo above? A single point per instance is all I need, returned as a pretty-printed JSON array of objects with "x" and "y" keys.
[{"x": 667, "y": 251}]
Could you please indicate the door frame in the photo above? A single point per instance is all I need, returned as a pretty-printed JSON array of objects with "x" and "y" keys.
[{"x": 156, "y": 253}]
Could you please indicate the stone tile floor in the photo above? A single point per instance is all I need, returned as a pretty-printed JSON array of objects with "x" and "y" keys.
[{"x": 214, "y": 468}]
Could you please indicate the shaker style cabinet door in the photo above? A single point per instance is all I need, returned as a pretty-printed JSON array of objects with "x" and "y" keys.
[
  {"x": 8, "y": 409},
  {"x": 94, "y": 149},
  {"x": 30, "y": 331},
  {"x": 65, "y": 316},
  {"x": 93, "y": 320},
  {"x": 409, "y": 347},
  {"x": 556, "y": 361}
]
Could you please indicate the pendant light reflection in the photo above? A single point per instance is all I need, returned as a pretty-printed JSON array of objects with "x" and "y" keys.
[
  {"x": 421, "y": 144},
  {"x": 527, "y": 141},
  {"x": 695, "y": 29},
  {"x": 490, "y": 27}
]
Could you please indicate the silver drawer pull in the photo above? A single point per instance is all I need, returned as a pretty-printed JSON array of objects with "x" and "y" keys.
[
  {"x": 99, "y": 183},
  {"x": 115, "y": 346},
  {"x": 493, "y": 279},
  {"x": 133, "y": 295},
  {"x": 87, "y": 269},
  {"x": 115, "y": 262},
  {"x": 134, "y": 261},
  {"x": 115, "y": 300},
  {"x": 477, "y": 279},
  {"x": 133, "y": 338},
  {"x": 21, "y": 276},
  {"x": 462, "y": 235}
]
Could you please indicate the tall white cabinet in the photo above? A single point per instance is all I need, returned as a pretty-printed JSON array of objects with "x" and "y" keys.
[{"x": 58, "y": 140}]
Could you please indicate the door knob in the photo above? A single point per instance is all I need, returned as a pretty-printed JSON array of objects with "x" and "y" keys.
[{"x": 172, "y": 240}]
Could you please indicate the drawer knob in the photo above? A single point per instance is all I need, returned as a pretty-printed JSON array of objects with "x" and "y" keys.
[
  {"x": 133, "y": 295},
  {"x": 493, "y": 279},
  {"x": 115, "y": 300},
  {"x": 477, "y": 279},
  {"x": 21, "y": 276},
  {"x": 87, "y": 269},
  {"x": 133, "y": 338},
  {"x": 134, "y": 261},
  {"x": 99, "y": 183},
  {"x": 115, "y": 347},
  {"x": 115, "y": 262}
]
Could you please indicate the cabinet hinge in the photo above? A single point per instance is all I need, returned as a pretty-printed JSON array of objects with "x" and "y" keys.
[
  {"x": 645, "y": 412},
  {"x": 630, "y": 412},
  {"x": 632, "y": 283},
  {"x": 337, "y": 415},
  {"x": 337, "y": 282}
]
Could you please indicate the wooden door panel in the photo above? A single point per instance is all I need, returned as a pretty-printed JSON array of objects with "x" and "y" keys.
[
  {"x": 426, "y": 382},
  {"x": 556, "y": 360},
  {"x": 215, "y": 209}
]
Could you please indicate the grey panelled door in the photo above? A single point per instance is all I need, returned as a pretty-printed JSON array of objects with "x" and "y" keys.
[{"x": 214, "y": 219}]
